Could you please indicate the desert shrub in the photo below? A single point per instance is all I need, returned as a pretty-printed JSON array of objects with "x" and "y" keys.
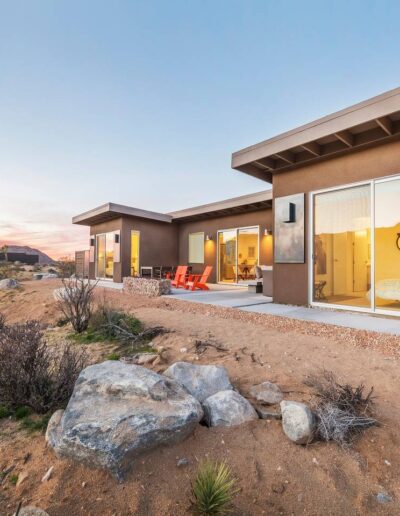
[
  {"x": 342, "y": 411},
  {"x": 113, "y": 356},
  {"x": 22, "y": 412},
  {"x": 8, "y": 270},
  {"x": 75, "y": 300},
  {"x": 2, "y": 321},
  {"x": 112, "y": 324},
  {"x": 213, "y": 488},
  {"x": 4, "y": 412},
  {"x": 66, "y": 267},
  {"x": 30, "y": 374}
]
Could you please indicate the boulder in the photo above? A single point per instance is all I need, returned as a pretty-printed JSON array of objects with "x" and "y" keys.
[
  {"x": 267, "y": 393},
  {"x": 53, "y": 427},
  {"x": 201, "y": 381},
  {"x": 265, "y": 413},
  {"x": 30, "y": 510},
  {"x": 298, "y": 421},
  {"x": 227, "y": 408},
  {"x": 118, "y": 412},
  {"x": 8, "y": 284}
]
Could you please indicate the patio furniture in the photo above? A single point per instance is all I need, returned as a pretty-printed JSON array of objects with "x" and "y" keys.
[
  {"x": 146, "y": 272},
  {"x": 199, "y": 280},
  {"x": 180, "y": 276},
  {"x": 256, "y": 286}
]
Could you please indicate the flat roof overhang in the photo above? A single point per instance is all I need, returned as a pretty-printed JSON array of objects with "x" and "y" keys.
[
  {"x": 234, "y": 206},
  {"x": 372, "y": 122},
  {"x": 110, "y": 211}
]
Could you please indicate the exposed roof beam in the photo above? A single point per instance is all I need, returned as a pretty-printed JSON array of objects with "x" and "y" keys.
[
  {"x": 287, "y": 156},
  {"x": 267, "y": 163},
  {"x": 345, "y": 137},
  {"x": 386, "y": 124},
  {"x": 313, "y": 148}
]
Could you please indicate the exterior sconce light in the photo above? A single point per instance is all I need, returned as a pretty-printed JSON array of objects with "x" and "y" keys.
[
  {"x": 267, "y": 232},
  {"x": 91, "y": 242},
  {"x": 208, "y": 238}
]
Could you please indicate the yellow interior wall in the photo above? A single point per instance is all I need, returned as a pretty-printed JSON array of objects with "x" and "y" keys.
[{"x": 387, "y": 255}]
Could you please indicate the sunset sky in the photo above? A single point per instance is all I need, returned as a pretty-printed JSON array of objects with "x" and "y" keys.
[{"x": 142, "y": 102}]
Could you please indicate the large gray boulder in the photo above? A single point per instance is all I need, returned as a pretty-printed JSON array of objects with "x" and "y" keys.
[
  {"x": 227, "y": 408},
  {"x": 267, "y": 393},
  {"x": 8, "y": 284},
  {"x": 298, "y": 422},
  {"x": 201, "y": 381},
  {"x": 119, "y": 411}
]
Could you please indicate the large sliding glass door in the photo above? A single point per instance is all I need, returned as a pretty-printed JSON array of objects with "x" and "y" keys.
[
  {"x": 356, "y": 246},
  {"x": 238, "y": 254},
  {"x": 387, "y": 245},
  {"x": 342, "y": 244},
  {"x": 105, "y": 256}
]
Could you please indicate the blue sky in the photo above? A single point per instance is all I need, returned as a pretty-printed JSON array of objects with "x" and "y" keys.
[{"x": 143, "y": 102}]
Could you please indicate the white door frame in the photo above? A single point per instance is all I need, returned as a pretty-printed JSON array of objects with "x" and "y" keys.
[
  {"x": 311, "y": 195},
  {"x": 236, "y": 258}
]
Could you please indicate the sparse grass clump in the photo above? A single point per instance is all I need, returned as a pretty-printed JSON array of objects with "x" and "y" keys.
[
  {"x": 213, "y": 489},
  {"x": 343, "y": 411},
  {"x": 113, "y": 356}
]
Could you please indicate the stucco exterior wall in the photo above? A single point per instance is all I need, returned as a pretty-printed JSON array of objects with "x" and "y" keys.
[
  {"x": 291, "y": 280},
  {"x": 211, "y": 226},
  {"x": 158, "y": 243}
]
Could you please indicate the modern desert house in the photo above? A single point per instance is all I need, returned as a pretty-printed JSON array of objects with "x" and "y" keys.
[{"x": 330, "y": 226}]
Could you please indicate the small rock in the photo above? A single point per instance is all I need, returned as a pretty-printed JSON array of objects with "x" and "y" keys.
[
  {"x": 183, "y": 350},
  {"x": 297, "y": 421},
  {"x": 267, "y": 393},
  {"x": 52, "y": 426},
  {"x": 8, "y": 284},
  {"x": 182, "y": 462},
  {"x": 145, "y": 358},
  {"x": 383, "y": 497},
  {"x": 264, "y": 413},
  {"x": 387, "y": 462},
  {"x": 48, "y": 474},
  {"x": 228, "y": 408},
  {"x": 83, "y": 484},
  {"x": 278, "y": 488},
  {"x": 29, "y": 510},
  {"x": 21, "y": 478}
]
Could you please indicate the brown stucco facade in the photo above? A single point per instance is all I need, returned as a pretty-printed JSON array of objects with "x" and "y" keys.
[
  {"x": 291, "y": 280},
  {"x": 211, "y": 226}
]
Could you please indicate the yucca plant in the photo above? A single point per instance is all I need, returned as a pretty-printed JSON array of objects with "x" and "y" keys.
[{"x": 213, "y": 488}]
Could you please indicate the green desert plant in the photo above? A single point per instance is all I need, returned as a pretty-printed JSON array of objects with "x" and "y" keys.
[
  {"x": 213, "y": 488},
  {"x": 113, "y": 356}
]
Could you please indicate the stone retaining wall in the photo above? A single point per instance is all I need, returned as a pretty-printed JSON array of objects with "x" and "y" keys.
[{"x": 147, "y": 287}]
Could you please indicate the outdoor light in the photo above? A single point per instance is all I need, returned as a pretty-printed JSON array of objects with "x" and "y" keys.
[
  {"x": 92, "y": 242},
  {"x": 267, "y": 232},
  {"x": 208, "y": 237}
]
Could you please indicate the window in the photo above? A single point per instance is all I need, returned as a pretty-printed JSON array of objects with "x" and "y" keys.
[{"x": 196, "y": 247}]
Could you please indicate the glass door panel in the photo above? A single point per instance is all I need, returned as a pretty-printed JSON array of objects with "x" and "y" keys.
[
  {"x": 342, "y": 247},
  {"x": 227, "y": 252},
  {"x": 100, "y": 255},
  {"x": 135, "y": 236},
  {"x": 109, "y": 255},
  {"x": 247, "y": 254},
  {"x": 387, "y": 245}
]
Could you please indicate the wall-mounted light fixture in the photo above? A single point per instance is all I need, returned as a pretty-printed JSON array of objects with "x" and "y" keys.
[
  {"x": 92, "y": 242},
  {"x": 208, "y": 238},
  {"x": 267, "y": 232}
]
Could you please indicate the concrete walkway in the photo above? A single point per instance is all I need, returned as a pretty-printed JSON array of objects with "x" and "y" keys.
[{"x": 258, "y": 303}]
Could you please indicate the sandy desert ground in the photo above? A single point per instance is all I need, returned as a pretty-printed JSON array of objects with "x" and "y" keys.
[{"x": 275, "y": 476}]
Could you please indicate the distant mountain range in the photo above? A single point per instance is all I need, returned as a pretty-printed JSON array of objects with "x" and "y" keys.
[{"x": 44, "y": 259}]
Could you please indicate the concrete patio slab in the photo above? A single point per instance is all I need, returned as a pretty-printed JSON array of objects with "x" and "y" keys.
[{"x": 232, "y": 298}]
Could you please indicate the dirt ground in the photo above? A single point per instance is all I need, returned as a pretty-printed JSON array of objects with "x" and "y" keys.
[{"x": 275, "y": 476}]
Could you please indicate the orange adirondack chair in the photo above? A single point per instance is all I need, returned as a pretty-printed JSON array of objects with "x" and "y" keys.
[
  {"x": 180, "y": 276},
  {"x": 199, "y": 280}
]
